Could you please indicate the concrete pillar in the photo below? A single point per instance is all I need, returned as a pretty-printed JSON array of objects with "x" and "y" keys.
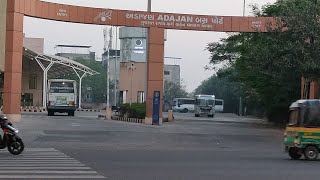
[
  {"x": 302, "y": 87},
  {"x": 314, "y": 90},
  {"x": 170, "y": 116},
  {"x": 13, "y": 61},
  {"x": 154, "y": 70},
  {"x": 3, "y": 29}
]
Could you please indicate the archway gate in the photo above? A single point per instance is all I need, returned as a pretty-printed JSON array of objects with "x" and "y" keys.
[{"x": 12, "y": 30}]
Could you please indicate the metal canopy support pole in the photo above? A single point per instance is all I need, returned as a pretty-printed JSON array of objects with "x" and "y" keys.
[
  {"x": 80, "y": 85},
  {"x": 45, "y": 77}
]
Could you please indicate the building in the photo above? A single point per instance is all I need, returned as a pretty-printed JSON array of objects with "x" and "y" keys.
[
  {"x": 113, "y": 63},
  {"x": 133, "y": 43},
  {"x": 132, "y": 82},
  {"x": 172, "y": 73},
  {"x": 113, "y": 56},
  {"x": 32, "y": 74},
  {"x": 74, "y": 51},
  {"x": 130, "y": 68}
]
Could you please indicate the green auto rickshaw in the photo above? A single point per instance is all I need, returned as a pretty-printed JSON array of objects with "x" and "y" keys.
[{"x": 302, "y": 135}]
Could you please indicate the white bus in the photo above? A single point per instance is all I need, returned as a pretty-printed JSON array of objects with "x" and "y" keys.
[
  {"x": 204, "y": 105},
  {"x": 183, "y": 105},
  {"x": 219, "y": 103},
  {"x": 61, "y": 96}
]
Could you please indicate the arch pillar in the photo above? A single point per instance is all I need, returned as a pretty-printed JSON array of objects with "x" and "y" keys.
[
  {"x": 154, "y": 70},
  {"x": 13, "y": 61}
]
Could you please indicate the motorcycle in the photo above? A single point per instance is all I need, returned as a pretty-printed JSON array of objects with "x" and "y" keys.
[{"x": 10, "y": 138}]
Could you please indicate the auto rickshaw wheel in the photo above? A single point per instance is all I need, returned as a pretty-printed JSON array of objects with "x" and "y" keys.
[
  {"x": 295, "y": 153},
  {"x": 311, "y": 153}
]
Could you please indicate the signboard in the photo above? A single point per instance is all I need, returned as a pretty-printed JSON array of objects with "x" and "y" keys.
[
  {"x": 156, "y": 108},
  {"x": 101, "y": 16},
  {"x": 3, "y": 17}
]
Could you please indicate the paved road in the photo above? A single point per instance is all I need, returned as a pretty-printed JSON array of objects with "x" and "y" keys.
[{"x": 225, "y": 147}]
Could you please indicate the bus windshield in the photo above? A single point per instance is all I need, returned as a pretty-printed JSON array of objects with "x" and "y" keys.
[
  {"x": 205, "y": 102},
  {"x": 61, "y": 87}
]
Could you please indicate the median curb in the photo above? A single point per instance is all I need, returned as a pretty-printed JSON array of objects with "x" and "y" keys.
[
  {"x": 89, "y": 110},
  {"x": 32, "y": 109},
  {"x": 125, "y": 119},
  {"x": 42, "y": 109}
]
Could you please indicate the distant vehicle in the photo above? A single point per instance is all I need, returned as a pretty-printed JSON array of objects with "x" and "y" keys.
[
  {"x": 183, "y": 105},
  {"x": 61, "y": 96},
  {"x": 219, "y": 103},
  {"x": 204, "y": 105}
]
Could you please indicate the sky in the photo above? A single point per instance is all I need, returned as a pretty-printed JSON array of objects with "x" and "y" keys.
[{"x": 187, "y": 45}]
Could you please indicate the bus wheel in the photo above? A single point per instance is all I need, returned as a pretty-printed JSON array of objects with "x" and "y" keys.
[
  {"x": 311, "y": 153},
  {"x": 196, "y": 115},
  {"x": 71, "y": 113},
  {"x": 50, "y": 113},
  {"x": 295, "y": 153},
  {"x": 185, "y": 110}
]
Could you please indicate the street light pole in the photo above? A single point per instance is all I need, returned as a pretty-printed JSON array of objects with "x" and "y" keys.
[
  {"x": 115, "y": 69},
  {"x": 108, "y": 84},
  {"x": 244, "y": 7},
  {"x": 149, "y": 5},
  {"x": 147, "y": 54}
]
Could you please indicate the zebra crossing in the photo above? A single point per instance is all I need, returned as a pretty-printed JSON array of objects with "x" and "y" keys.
[{"x": 43, "y": 163}]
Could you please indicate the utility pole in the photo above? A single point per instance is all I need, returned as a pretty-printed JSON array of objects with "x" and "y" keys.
[
  {"x": 115, "y": 69},
  {"x": 149, "y": 5},
  {"x": 147, "y": 56},
  {"x": 244, "y": 7}
]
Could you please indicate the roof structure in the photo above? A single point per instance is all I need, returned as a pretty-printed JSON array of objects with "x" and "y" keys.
[
  {"x": 72, "y": 46},
  {"x": 59, "y": 63}
]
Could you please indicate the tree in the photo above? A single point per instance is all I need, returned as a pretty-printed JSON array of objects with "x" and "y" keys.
[
  {"x": 173, "y": 90},
  {"x": 223, "y": 87},
  {"x": 269, "y": 66}
]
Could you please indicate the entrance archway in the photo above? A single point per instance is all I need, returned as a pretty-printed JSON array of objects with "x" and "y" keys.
[{"x": 156, "y": 22}]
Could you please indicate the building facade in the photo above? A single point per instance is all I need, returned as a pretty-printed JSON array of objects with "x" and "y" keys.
[
  {"x": 32, "y": 74},
  {"x": 113, "y": 57},
  {"x": 74, "y": 52},
  {"x": 172, "y": 73},
  {"x": 127, "y": 67},
  {"x": 132, "y": 66}
]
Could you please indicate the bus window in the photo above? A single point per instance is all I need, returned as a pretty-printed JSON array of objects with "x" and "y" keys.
[
  {"x": 219, "y": 105},
  {"x": 219, "y": 102}
]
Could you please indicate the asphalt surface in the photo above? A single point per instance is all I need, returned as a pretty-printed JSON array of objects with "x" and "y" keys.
[{"x": 84, "y": 147}]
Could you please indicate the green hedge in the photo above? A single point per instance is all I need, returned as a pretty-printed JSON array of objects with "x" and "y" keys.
[
  {"x": 136, "y": 110},
  {"x": 278, "y": 114}
]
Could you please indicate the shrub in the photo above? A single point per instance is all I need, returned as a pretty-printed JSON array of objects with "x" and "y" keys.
[
  {"x": 278, "y": 114},
  {"x": 124, "y": 109},
  {"x": 136, "y": 110}
]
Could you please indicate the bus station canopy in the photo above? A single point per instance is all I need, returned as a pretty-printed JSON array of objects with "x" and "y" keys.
[
  {"x": 60, "y": 65},
  {"x": 53, "y": 66}
]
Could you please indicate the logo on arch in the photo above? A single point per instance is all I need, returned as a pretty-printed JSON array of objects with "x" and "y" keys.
[{"x": 104, "y": 16}]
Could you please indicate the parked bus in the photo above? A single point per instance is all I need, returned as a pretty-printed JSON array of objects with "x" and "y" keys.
[
  {"x": 61, "y": 96},
  {"x": 219, "y": 103},
  {"x": 204, "y": 105},
  {"x": 183, "y": 105}
]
